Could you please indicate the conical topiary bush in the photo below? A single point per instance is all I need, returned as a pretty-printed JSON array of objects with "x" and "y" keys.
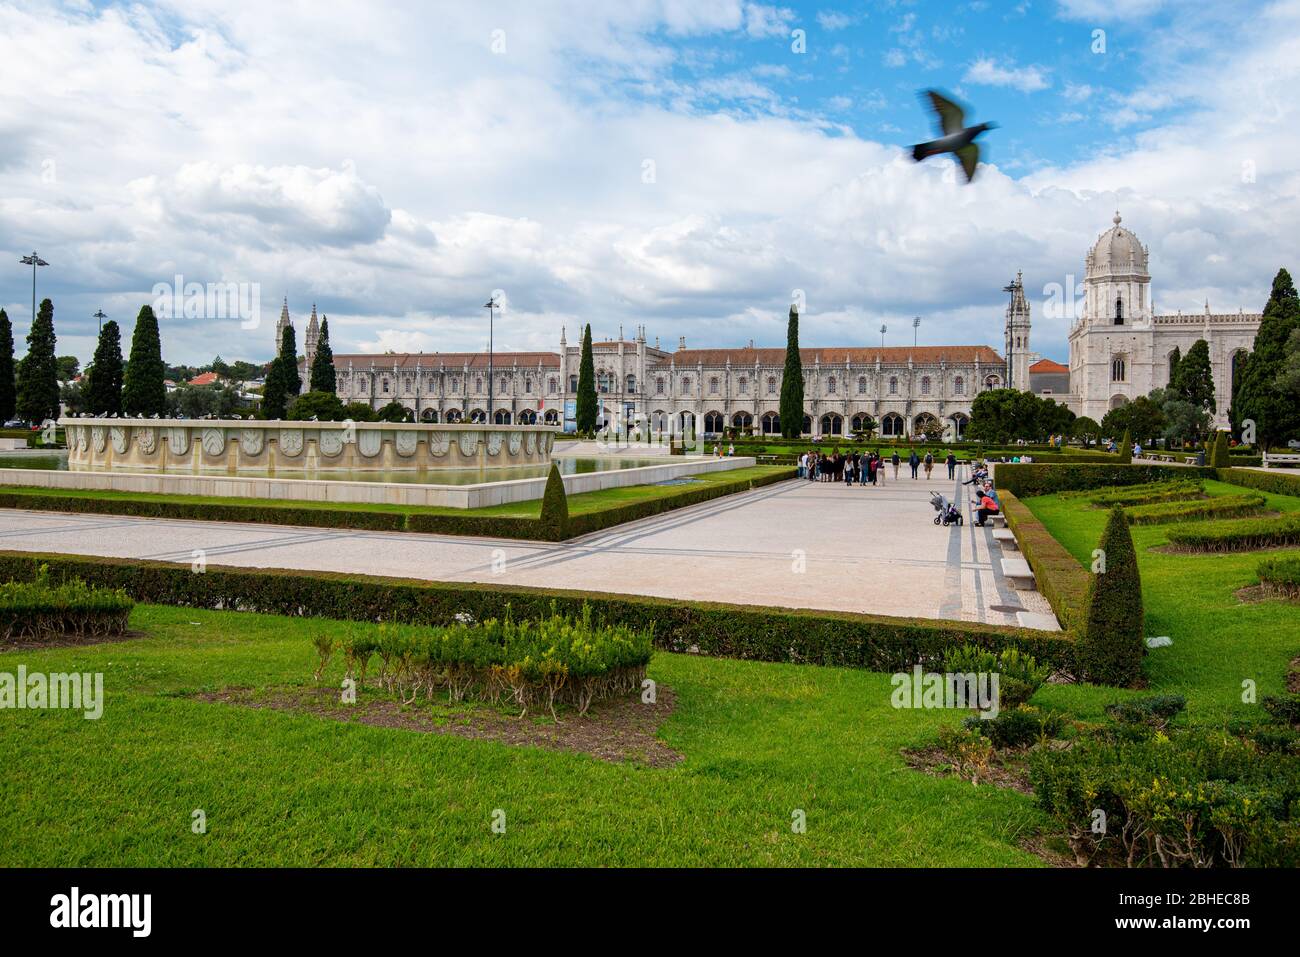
[
  {"x": 555, "y": 508},
  {"x": 1110, "y": 647}
]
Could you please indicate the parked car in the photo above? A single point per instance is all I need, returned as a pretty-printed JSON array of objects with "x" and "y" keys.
[{"x": 15, "y": 424}]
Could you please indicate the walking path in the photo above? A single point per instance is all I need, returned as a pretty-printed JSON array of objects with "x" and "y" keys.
[{"x": 797, "y": 544}]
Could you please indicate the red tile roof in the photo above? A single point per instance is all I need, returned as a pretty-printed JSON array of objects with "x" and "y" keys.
[
  {"x": 1047, "y": 365},
  {"x": 836, "y": 355},
  {"x": 452, "y": 361},
  {"x": 205, "y": 378}
]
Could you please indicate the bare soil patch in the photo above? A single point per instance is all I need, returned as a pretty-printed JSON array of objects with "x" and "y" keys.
[
  {"x": 67, "y": 640},
  {"x": 617, "y": 731},
  {"x": 1004, "y": 770}
]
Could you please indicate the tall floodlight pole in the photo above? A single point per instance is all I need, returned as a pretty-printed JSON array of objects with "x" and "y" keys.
[
  {"x": 33, "y": 260},
  {"x": 883, "y": 327},
  {"x": 491, "y": 306},
  {"x": 101, "y": 317},
  {"x": 916, "y": 325}
]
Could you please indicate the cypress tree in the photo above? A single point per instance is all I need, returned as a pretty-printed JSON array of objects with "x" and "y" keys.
[
  {"x": 322, "y": 364},
  {"x": 1220, "y": 455},
  {"x": 586, "y": 411},
  {"x": 38, "y": 373},
  {"x": 143, "y": 391},
  {"x": 8, "y": 391},
  {"x": 555, "y": 508},
  {"x": 1195, "y": 380},
  {"x": 1255, "y": 394},
  {"x": 1110, "y": 647},
  {"x": 791, "y": 409},
  {"x": 104, "y": 377},
  {"x": 1126, "y": 449},
  {"x": 274, "y": 399},
  {"x": 1175, "y": 358},
  {"x": 289, "y": 364}
]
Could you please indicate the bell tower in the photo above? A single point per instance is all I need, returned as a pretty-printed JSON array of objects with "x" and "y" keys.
[{"x": 1017, "y": 335}]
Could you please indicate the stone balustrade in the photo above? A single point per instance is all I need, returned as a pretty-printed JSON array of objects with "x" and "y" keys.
[{"x": 179, "y": 446}]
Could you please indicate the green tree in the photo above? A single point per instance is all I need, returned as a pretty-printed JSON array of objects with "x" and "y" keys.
[
  {"x": 1184, "y": 421},
  {"x": 283, "y": 383},
  {"x": 586, "y": 400},
  {"x": 1256, "y": 398},
  {"x": 1219, "y": 457},
  {"x": 322, "y": 378},
  {"x": 1085, "y": 429},
  {"x": 8, "y": 392},
  {"x": 1141, "y": 418},
  {"x": 1288, "y": 379},
  {"x": 1126, "y": 449},
  {"x": 38, "y": 373},
  {"x": 791, "y": 407},
  {"x": 103, "y": 385},
  {"x": 68, "y": 367},
  {"x": 323, "y": 406},
  {"x": 359, "y": 412},
  {"x": 1175, "y": 358},
  {"x": 1111, "y": 644},
  {"x": 394, "y": 412},
  {"x": 143, "y": 391},
  {"x": 555, "y": 508},
  {"x": 1195, "y": 379},
  {"x": 196, "y": 401}
]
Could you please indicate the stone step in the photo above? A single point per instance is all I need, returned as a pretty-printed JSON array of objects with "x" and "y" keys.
[
  {"x": 1017, "y": 571},
  {"x": 1006, "y": 538},
  {"x": 1033, "y": 619},
  {"x": 997, "y": 518}
]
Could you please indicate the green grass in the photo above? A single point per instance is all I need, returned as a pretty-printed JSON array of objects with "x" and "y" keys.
[
  {"x": 579, "y": 504},
  {"x": 758, "y": 740}
]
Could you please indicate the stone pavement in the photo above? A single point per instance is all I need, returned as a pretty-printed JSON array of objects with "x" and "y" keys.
[{"x": 796, "y": 544}]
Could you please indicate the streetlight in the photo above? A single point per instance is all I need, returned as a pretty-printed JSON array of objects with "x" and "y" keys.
[
  {"x": 491, "y": 306},
  {"x": 883, "y": 327},
  {"x": 101, "y": 317},
  {"x": 916, "y": 324},
  {"x": 33, "y": 260}
]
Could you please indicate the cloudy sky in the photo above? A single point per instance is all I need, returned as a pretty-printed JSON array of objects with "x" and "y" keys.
[{"x": 684, "y": 165}]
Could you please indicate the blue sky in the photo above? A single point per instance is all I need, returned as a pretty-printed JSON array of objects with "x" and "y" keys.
[{"x": 676, "y": 164}]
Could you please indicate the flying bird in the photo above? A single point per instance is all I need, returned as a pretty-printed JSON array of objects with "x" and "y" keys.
[{"x": 957, "y": 139}]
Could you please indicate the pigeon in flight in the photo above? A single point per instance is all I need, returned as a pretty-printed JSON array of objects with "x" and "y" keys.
[{"x": 957, "y": 139}]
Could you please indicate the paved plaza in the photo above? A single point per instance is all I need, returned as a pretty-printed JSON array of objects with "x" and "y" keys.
[{"x": 797, "y": 544}]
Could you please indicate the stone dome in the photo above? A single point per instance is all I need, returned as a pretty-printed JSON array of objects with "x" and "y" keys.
[{"x": 1117, "y": 252}]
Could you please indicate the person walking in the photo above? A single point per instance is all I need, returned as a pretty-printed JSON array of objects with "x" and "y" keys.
[
  {"x": 914, "y": 463},
  {"x": 929, "y": 465},
  {"x": 894, "y": 460},
  {"x": 951, "y": 461}
]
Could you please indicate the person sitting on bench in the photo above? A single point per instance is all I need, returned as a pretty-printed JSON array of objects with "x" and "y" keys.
[{"x": 984, "y": 507}]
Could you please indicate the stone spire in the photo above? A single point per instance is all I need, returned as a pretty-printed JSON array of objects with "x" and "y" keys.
[
  {"x": 313, "y": 334},
  {"x": 284, "y": 323},
  {"x": 1017, "y": 335}
]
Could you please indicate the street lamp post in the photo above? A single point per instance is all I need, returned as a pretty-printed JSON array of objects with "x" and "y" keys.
[
  {"x": 916, "y": 325},
  {"x": 491, "y": 306},
  {"x": 883, "y": 327},
  {"x": 101, "y": 317},
  {"x": 33, "y": 260}
]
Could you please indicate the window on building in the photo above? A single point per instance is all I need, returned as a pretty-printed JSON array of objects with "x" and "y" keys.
[
  {"x": 771, "y": 385},
  {"x": 528, "y": 385},
  {"x": 862, "y": 385},
  {"x": 385, "y": 385},
  {"x": 631, "y": 385},
  {"x": 552, "y": 385},
  {"x": 455, "y": 384},
  {"x": 478, "y": 384},
  {"x": 1117, "y": 370},
  {"x": 925, "y": 385},
  {"x": 1119, "y": 312},
  {"x": 573, "y": 383},
  {"x": 659, "y": 386},
  {"x": 713, "y": 386},
  {"x": 743, "y": 386},
  {"x": 893, "y": 385},
  {"x": 686, "y": 383},
  {"x": 830, "y": 385},
  {"x": 959, "y": 385}
]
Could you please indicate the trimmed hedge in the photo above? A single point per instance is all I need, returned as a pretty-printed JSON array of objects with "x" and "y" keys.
[
  {"x": 1147, "y": 494},
  {"x": 1046, "y": 479},
  {"x": 1274, "y": 482},
  {"x": 1112, "y": 641},
  {"x": 1224, "y": 506},
  {"x": 486, "y": 526},
  {"x": 875, "y": 642},
  {"x": 38, "y": 609},
  {"x": 1281, "y": 576},
  {"x": 1058, "y": 574},
  {"x": 1241, "y": 535}
]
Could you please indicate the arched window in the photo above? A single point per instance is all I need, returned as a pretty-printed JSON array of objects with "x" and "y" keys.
[
  {"x": 361, "y": 384},
  {"x": 771, "y": 385},
  {"x": 893, "y": 385},
  {"x": 1117, "y": 370},
  {"x": 552, "y": 384},
  {"x": 1119, "y": 312},
  {"x": 862, "y": 385},
  {"x": 528, "y": 384},
  {"x": 505, "y": 385},
  {"x": 385, "y": 385},
  {"x": 743, "y": 386},
  {"x": 742, "y": 420},
  {"x": 771, "y": 423},
  {"x": 501, "y": 417},
  {"x": 991, "y": 382},
  {"x": 830, "y": 385},
  {"x": 455, "y": 384},
  {"x": 686, "y": 383},
  {"x": 604, "y": 381},
  {"x": 659, "y": 386},
  {"x": 478, "y": 384},
  {"x": 527, "y": 417},
  {"x": 409, "y": 384},
  {"x": 832, "y": 424},
  {"x": 891, "y": 425},
  {"x": 713, "y": 422},
  {"x": 925, "y": 385},
  {"x": 713, "y": 390},
  {"x": 959, "y": 386},
  {"x": 573, "y": 383},
  {"x": 1172, "y": 365},
  {"x": 631, "y": 385}
]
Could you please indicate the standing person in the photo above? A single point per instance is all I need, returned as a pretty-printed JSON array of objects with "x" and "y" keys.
[
  {"x": 873, "y": 468},
  {"x": 731, "y": 448},
  {"x": 802, "y": 463},
  {"x": 880, "y": 467},
  {"x": 929, "y": 465},
  {"x": 914, "y": 463},
  {"x": 894, "y": 460},
  {"x": 848, "y": 469},
  {"x": 951, "y": 461}
]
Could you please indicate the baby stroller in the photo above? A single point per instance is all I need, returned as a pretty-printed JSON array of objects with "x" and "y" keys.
[{"x": 947, "y": 512}]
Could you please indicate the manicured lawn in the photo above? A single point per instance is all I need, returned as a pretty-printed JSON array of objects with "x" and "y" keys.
[
  {"x": 580, "y": 503},
  {"x": 759, "y": 741}
]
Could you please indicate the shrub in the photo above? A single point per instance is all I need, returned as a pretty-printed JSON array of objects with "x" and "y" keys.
[
  {"x": 1019, "y": 727},
  {"x": 1146, "y": 494},
  {"x": 555, "y": 508},
  {"x": 875, "y": 642},
  {"x": 970, "y": 751},
  {"x": 1281, "y": 576},
  {"x": 549, "y": 661},
  {"x": 1058, "y": 574},
  {"x": 1219, "y": 458},
  {"x": 1284, "y": 709},
  {"x": 1019, "y": 675},
  {"x": 1111, "y": 645},
  {"x": 1239, "y": 535},
  {"x": 41, "y": 610},
  {"x": 1224, "y": 506},
  {"x": 1199, "y": 798},
  {"x": 1155, "y": 711},
  {"x": 1126, "y": 449},
  {"x": 1035, "y": 478},
  {"x": 324, "y": 406},
  {"x": 1278, "y": 483}
]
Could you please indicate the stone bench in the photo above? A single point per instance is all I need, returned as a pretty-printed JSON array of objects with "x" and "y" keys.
[
  {"x": 998, "y": 519},
  {"x": 12, "y": 445},
  {"x": 1018, "y": 572},
  {"x": 1033, "y": 619},
  {"x": 1006, "y": 538},
  {"x": 1284, "y": 460}
]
